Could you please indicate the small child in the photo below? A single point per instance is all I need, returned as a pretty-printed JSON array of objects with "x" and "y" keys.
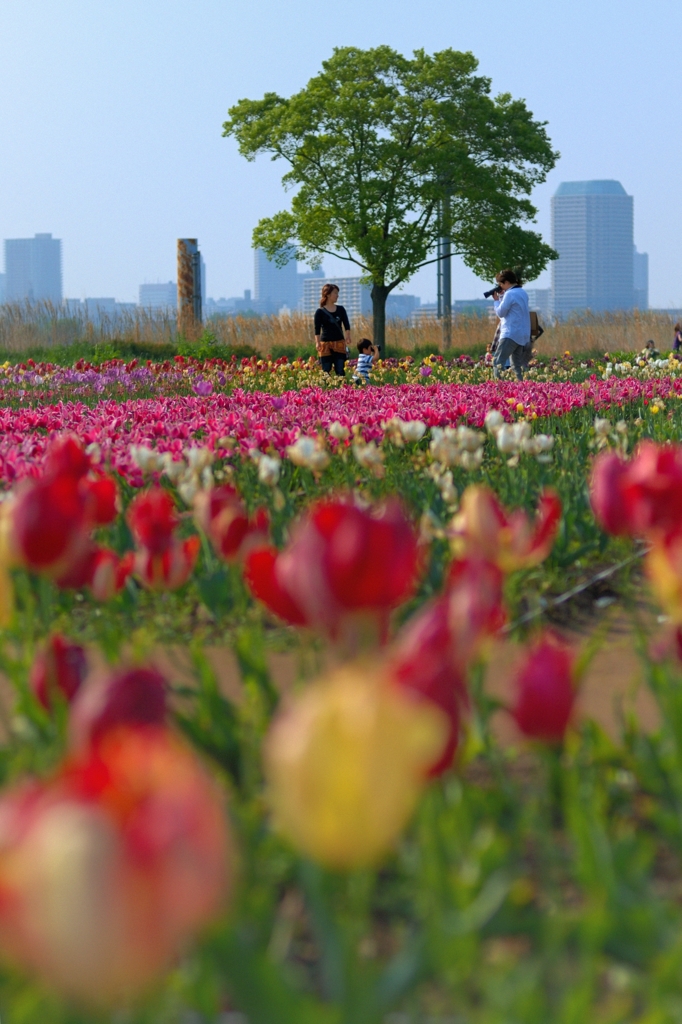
[
  {"x": 650, "y": 351},
  {"x": 366, "y": 355}
]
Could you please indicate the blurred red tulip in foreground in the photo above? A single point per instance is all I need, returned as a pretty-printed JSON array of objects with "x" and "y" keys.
[
  {"x": 434, "y": 650},
  {"x": 642, "y": 495},
  {"x": 545, "y": 690},
  {"x": 110, "y": 868},
  {"x": 59, "y": 668},
  {"x": 127, "y": 696}
]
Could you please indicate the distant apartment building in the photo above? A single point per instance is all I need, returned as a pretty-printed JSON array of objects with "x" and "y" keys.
[
  {"x": 592, "y": 230},
  {"x": 33, "y": 269},
  {"x": 640, "y": 278},
  {"x": 540, "y": 301},
  {"x": 353, "y": 295},
  {"x": 400, "y": 306},
  {"x": 159, "y": 296},
  {"x": 275, "y": 286},
  {"x": 425, "y": 311}
]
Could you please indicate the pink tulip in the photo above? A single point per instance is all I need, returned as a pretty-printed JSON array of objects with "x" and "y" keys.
[{"x": 545, "y": 690}]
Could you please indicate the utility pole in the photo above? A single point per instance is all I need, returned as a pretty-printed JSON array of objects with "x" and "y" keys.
[
  {"x": 445, "y": 276},
  {"x": 189, "y": 287}
]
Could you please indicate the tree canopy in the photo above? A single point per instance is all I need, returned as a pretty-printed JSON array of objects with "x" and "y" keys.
[{"x": 378, "y": 146}]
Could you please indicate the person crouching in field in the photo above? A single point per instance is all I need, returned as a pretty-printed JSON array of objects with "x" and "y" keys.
[{"x": 366, "y": 354}]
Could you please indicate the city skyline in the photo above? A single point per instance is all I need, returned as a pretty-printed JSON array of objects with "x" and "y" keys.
[{"x": 121, "y": 191}]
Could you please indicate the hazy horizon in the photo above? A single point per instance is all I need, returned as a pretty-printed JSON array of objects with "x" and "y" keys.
[{"x": 112, "y": 121}]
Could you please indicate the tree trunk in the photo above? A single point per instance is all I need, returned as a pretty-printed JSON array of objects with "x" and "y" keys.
[{"x": 379, "y": 296}]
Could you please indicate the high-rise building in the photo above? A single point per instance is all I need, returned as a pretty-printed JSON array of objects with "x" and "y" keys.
[
  {"x": 274, "y": 286},
  {"x": 159, "y": 296},
  {"x": 640, "y": 278},
  {"x": 592, "y": 230},
  {"x": 540, "y": 300},
  {"x": 33, "y": 269},
  {"x": 353, "y": 294}
]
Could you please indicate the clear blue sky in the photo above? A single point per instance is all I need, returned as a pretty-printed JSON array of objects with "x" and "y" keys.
[{"x": 111, "y": 114}]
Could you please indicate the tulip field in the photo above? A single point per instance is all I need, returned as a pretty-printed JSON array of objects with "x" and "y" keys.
[{"x": 252, "y": 767}]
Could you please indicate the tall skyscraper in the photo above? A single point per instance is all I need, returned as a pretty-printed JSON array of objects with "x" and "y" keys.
[
  {"x": 592, "y": 230},
  {"x": 33, "y": 268},
  {"x": 274, "y": 286},
  {"x": 640, "y": 278},
  {"x": 159, "y": 296}
]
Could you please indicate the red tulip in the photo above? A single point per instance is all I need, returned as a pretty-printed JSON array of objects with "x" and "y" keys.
[
  {"x": 475, "y": 606},
  {"x": 153, "y": 520},
  {"x": 130, "y": 697},
  {"x": 435, "y": 649},
  {"x": 641, "y": 495},
  {"x": 162, "y": 561},
  {"x": 60, "y": 667},
  {"x": 108, "y": 573},
  {"x": 370, "y": 556},
  {"x": 99, "y": 569},
  {"x": 546, "y": 690},
  {"x": 169, "y": 569},
  {"x": 341, "y": 559},
  {"x": 66, "y": 457},
  {"x": 102, "y": 494},
  {"x": 222, "y": 515},
  {"x": 51, "y": 518},
  {"x": 607, "y": 494},
  {"x": 109, "y": 869},
  {"x": 49, "y": 525},
  {"x": 260, "y": 573}
]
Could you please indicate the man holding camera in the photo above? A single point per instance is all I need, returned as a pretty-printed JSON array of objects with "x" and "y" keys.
[{"x": 511, "y": 306}]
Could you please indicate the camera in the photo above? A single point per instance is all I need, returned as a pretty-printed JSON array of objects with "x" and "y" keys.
[{"x": 492, "y": 292}]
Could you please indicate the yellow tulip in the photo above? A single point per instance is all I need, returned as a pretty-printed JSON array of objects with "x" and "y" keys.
[
  {"x": 345, "y": 765},
  {"x": 664, "y": 571}
]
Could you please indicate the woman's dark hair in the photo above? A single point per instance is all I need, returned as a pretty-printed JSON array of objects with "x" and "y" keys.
[
  {"x": 507, "y": 275},
  {"x": 363, "y": 344},
  {"x": 327, "y": 289},
  {"x": 677, "y": 327}
]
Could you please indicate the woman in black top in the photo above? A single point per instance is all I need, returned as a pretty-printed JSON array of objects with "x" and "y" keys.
[{"x": 331, "y": 342}]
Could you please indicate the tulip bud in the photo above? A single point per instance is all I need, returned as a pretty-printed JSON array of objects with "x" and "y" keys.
[
  {"x": 60, "y": 667},
  {"x": 107, "y": 871},
  {"x": 130, "y": 697},
  {"x": 153, "y": 520},
  {"x": 610, "y": 507},
  {"x": 345, "y": 764},
  {"x": 546, "y": 690}
]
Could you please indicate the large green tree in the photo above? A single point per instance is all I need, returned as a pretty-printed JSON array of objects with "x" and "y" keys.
[{"x": 378, "y": 145}]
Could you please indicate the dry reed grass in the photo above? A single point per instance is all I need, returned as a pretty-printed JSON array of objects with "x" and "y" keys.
[{"x": 41, "y": 325}]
